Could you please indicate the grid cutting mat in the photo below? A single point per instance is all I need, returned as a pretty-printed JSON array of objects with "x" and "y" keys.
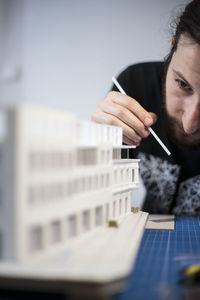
[{"x": 161, "y": 257}]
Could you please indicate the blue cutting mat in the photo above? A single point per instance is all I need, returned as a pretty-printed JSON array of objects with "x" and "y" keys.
[{"x": 161, "y": 256}]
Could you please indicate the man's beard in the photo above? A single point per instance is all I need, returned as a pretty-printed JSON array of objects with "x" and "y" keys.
[{"x": 176, "y": 132}]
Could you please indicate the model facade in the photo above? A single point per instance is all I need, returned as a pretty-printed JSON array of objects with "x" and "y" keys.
[{"x": 60, "y": 180}]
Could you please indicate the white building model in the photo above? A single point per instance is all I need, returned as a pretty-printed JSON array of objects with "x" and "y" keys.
[{"x": 64, "y": 187}]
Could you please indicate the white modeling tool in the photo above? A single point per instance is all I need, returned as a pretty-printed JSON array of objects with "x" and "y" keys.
[{"x": 150, "y": 129}]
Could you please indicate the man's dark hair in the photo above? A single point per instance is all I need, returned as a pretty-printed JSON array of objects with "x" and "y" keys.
[{"x": 189, "y": 24}]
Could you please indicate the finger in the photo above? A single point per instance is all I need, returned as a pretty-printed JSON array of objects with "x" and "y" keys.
[
  {"x": 132, "y": 105},
  {"x": 104, "y": 118},
  {"x": 125, "y": 115},
  {"x": 127, "y": 141},
  {"x": 154, "y": 117}
]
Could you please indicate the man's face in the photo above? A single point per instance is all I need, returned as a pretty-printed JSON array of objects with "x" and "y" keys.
[{"x": 182, "y": 94}]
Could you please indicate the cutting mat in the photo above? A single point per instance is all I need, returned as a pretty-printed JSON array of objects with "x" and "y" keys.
[{"x": 162, "y": 255}]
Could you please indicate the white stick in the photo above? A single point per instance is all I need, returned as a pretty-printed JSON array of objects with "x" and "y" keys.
[
  {"x": 150, "y": 129},
  {"x": 159, "y": 140},
  {"x": 118, "y": 85}
]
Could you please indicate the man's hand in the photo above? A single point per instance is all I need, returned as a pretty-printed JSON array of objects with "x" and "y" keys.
[{"x": 121, "y": 110}]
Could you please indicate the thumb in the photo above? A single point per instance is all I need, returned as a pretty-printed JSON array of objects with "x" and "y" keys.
[{"x": 154, "y": 117}]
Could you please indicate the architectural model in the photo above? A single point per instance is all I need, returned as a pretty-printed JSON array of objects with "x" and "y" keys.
[{"x": 65, "y": 192}]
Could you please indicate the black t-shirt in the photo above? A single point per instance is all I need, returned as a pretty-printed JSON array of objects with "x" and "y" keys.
[{"x": 172, "y": 182}]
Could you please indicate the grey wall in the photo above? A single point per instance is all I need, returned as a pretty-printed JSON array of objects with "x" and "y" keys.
[{"x": 63, "y": 53}]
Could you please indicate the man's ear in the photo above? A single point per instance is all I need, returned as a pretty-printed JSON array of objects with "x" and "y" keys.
[{"x": 172, "y": 41}]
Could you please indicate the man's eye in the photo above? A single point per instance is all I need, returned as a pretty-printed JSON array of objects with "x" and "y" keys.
[{"x": 184, "y": 86}]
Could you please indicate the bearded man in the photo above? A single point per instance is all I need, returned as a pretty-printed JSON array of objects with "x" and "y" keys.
[{"x": 167, "y": 94}]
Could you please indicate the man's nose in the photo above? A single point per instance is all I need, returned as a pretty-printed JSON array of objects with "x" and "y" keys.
[{"x": 191, "y": 116}]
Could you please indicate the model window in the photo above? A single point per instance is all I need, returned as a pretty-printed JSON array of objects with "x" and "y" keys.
[
  {"x": 127, "y": 175},
  {"x": 133, "y": 175},
  {"x": 114, "y": 154},
  {"x": 72, "y": 226},
  {"x": 119, "y": 153},
  {"x": 87, "y": 156},
  {"x": 89, "y": 183},
  {"x": 55, "y": 232},
  {"x": 76, "y": 186},
  {"x": 96, "y": 182},
  {"x": 114, "y": 209},
  {"x": 115, "y": 176},
  {"x": 102, "y": 181},
  {"x": 83, "y": 184},
  {"x": 86, "y": 220},
  {"x": 107, "y": 212},
  {"x": 120, "y": 206},
  {"x": 99, "y": 215},
  {"x": 126, "y": 204},
  {"x": 79, "y": 157},
  {"x": 35, "y": 238},
  {"x": 107, "y": 180}
]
